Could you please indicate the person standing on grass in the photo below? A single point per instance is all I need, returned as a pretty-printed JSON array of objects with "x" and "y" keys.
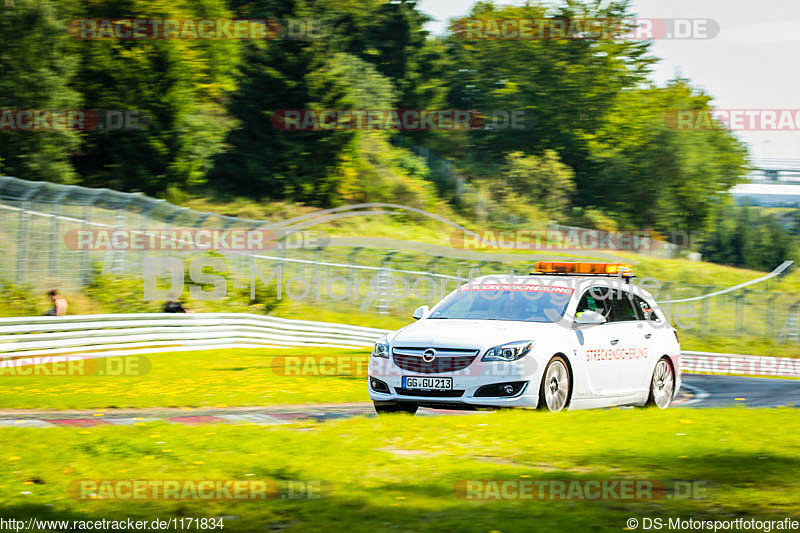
[{"x": 59, "y": 304}]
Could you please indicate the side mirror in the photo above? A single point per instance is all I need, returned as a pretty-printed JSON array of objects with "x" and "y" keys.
[
  {"x": 590, "y": 318},
  {"x": 420, "y": 312}
]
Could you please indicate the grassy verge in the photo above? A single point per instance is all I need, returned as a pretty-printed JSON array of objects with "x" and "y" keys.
[
  {"x": 398, "y": 473},
  {"x": 219, "y": 378}
]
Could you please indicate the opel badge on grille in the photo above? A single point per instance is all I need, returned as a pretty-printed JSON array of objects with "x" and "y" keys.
[{"x": 429, "y": 355}]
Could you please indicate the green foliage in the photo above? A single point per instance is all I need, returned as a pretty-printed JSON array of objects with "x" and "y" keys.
[
  {"x": 119, "y": 294},
  {"x": 303, "y": 166},
  {"x": 659, "y": 177},
  {"x": 564, "y": 87},
  {"x": 591, "y": 217},
  {"x": 545, "y": 181},
  {"x": 177, "y": 87},
  {"x": 594, "y": 147},
  {"x": 18, "y": 300},
  {"x": 743, "y": 236},
  {"x": 591, "y": 103},
  {"x": 372, "y": 170},
  {"x": 35, "y": 72}
]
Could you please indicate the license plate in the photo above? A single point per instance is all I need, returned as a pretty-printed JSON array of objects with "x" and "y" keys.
[{"x": 418, "y": 383}]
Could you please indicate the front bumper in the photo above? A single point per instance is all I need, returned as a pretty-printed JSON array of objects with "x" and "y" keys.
[{"x": 465, "y": 384}]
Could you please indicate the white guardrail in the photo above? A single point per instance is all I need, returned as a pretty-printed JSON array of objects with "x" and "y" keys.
[
  {"x": 32, "y": 340},
  {"x": 25, "y": 340}
]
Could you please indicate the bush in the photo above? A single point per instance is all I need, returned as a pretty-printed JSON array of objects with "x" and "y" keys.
[
  {"x": 17, "y": 300},
  {"x": 593, "y": 218}
]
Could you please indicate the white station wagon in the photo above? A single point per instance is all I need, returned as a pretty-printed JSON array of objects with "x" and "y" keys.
[{"x": 571, "y": 335}]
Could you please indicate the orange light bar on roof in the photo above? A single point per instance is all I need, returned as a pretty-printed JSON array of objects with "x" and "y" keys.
[{"x": 549, "y": 267}]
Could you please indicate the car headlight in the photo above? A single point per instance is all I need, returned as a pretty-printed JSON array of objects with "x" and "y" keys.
[
  {"x": 381, "y": 349},
  {"x": 508, "y": 352}
]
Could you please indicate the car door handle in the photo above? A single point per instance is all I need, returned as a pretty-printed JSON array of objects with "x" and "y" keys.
[
  {"x": 648, "y": 335},
  {"x": 614, "y": 342}
]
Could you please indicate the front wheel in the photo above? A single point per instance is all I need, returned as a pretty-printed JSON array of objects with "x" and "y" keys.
[
  {"x": 662, "y": 386},
  {"x": 555, "y": 386},
  {"x": 390, "y": 408}
]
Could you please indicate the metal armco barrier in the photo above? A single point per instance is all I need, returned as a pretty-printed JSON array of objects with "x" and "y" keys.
[{"x": 141, "y": 333}]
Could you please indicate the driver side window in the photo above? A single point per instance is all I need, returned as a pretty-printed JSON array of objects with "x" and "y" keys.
[{"x": 594, "y": 299}]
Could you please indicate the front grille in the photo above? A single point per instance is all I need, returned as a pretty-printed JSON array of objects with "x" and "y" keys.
[
  {"x": 447, "y": 359},
  {"x": 430, "y": 393}
]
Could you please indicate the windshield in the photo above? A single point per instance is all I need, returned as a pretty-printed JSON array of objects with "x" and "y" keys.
[{"x": 523, "y": 303}]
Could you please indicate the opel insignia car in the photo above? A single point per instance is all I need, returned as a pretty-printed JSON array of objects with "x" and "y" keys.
[{"x": 568, "y": 336}]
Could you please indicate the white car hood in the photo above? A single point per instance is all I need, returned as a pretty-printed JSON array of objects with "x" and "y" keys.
[{"x": 482, "y": 334}]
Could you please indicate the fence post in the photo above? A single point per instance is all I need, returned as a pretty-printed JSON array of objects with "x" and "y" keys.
[
  {"x": 769, "y": 315},
  {"x": 118, "y": 256},
  {"x": 790, "y": 326},
  {"x": 738, "y": 298},
  {"x": 22, "y": 232},
  {"x": 385, "y": 284},
  {"x": 85, "y": 274},
  {"x": 55, "y": 231},
  {"x": 22, "y": 240},
  {"x": 705, "y": 311},
  {"x": 666, "y": 298}
]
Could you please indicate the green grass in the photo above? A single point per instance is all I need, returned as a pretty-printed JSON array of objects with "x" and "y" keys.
[
  {"x": 342, "y": 314},
  {"x": 398, "y": 473},
  {"x": 197, "y": 379},
  {"x": 746, "y": 345}
]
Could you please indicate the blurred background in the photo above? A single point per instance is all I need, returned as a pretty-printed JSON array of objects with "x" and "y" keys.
[
  {"x": 596, "y": 152},
  {"x": 209, "y": 395}
]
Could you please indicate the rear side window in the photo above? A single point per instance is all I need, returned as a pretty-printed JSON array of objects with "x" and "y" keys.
[
  {"x": 622, "y": 309},
  {"x": 647, "y": 312}
]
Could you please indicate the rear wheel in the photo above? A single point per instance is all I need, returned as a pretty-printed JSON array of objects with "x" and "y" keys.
[
  {"x": 389, "y": 408},
  {"x": 555, "y": 387},
  {"x": 662, "y": 386}
]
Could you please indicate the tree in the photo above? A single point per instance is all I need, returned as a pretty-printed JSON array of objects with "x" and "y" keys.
[
  {"x": 545, "y": 181},
  {"x": 178, "y": 87},
  {"x": 300, "y": 73},
  {"x": 564, "y": 87},
  {"x": 747, "y": 237},
  {"x": 35, "y": 72},
  {"x": 658, "y": 177}
]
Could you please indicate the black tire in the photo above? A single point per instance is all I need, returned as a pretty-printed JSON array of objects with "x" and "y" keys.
[
  {"x": 392, "y": 408},
  {"x": 559, "y": 386},
  {"x": 662, "y": 384}
]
